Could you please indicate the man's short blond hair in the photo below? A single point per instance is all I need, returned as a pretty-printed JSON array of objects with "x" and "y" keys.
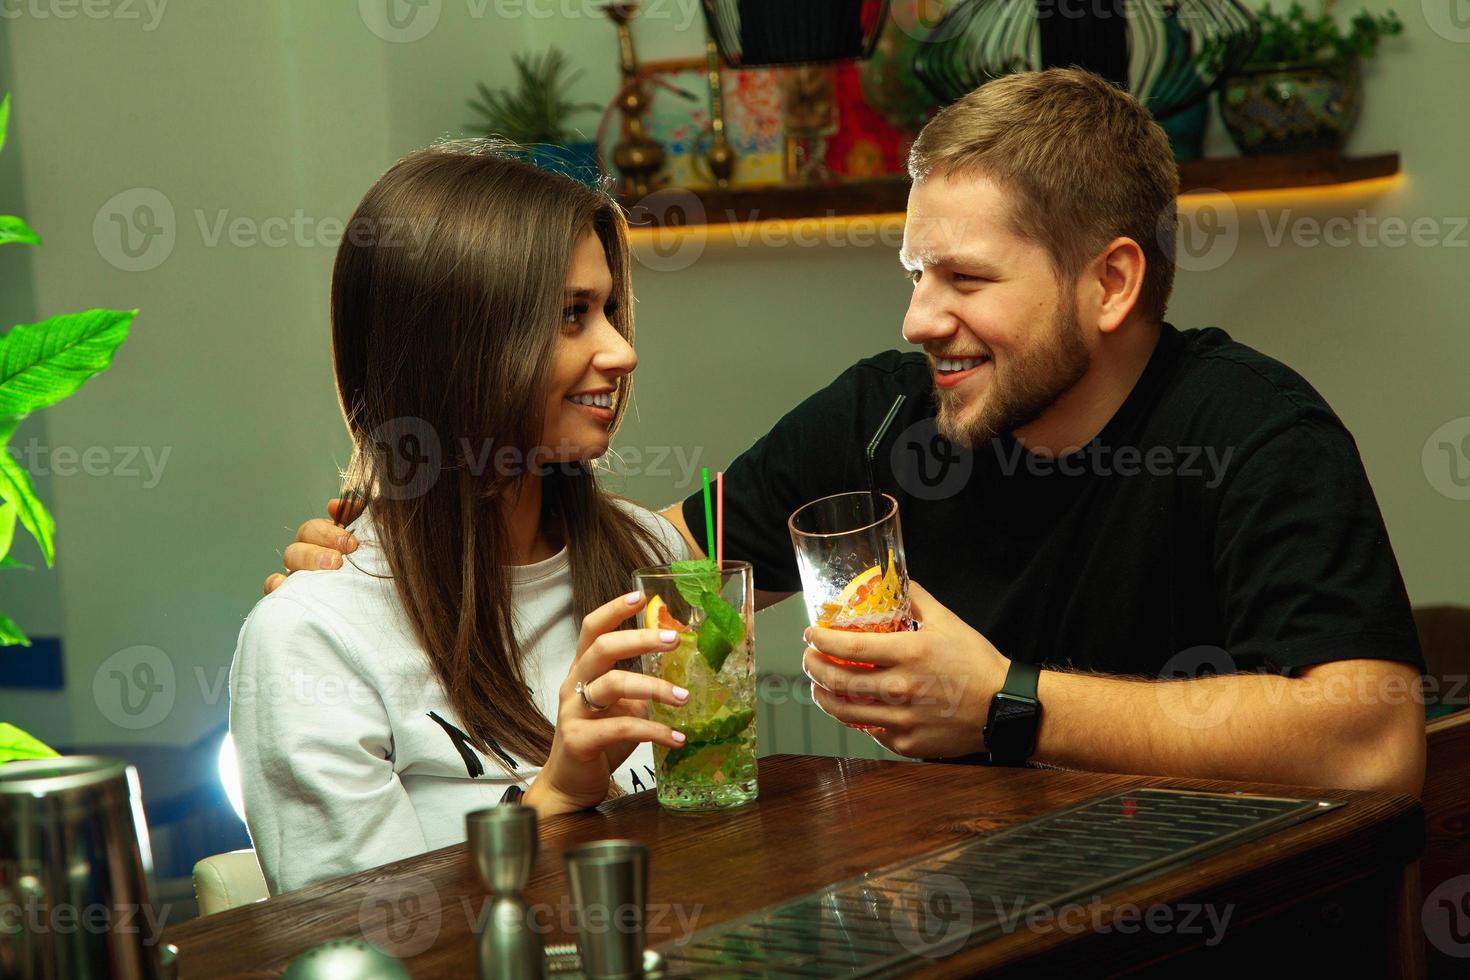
[{"x": 1087, "y": 164}]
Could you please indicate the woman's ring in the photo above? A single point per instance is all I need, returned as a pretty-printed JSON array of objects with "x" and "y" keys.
[{"x": 591, "y": 705}]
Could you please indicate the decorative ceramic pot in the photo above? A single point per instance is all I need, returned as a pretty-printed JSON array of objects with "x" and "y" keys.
[{"x": 1291, "y": 108}]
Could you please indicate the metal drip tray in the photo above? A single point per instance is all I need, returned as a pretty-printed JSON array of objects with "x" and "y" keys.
[{"x": 965, "y": 894}]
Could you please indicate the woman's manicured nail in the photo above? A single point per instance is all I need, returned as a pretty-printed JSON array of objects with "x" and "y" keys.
[
  {"x": 806, "y": 635},
  {"x": 681, "y": 694},
  {"x": 679, "y": 737},
  {"x": 632, "y": 598},
  {"x": 330, "y": 560},
  {"x": 668, "y": 636}
]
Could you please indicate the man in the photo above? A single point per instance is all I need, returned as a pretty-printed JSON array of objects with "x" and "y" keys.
[{"x": 1175, "y": 529}]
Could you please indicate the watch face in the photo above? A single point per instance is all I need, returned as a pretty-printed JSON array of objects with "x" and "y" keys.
[{"x": 1012, "y": 729}]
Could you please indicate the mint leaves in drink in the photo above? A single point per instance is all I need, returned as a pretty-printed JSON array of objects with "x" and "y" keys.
[{"x": 698, "y": 581}]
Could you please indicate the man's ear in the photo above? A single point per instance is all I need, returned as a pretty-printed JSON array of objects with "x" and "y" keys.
[{"x": 1112, "y": 283}]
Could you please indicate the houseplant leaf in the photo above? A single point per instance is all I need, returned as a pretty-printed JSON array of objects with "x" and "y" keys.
[
  {"x": 14, "y": 231},
  {"x": 17, "y": 491},
  {"x": 16, "y": 744},
  {"x": 10, "y": 634},
  {"x": 4, "y": 119},
  {"x": 8, "y": 515},
  {"x": 42, "y": 363}
]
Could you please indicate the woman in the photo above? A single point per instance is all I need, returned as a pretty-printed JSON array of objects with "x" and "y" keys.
[{"x": 482, "y": 343}]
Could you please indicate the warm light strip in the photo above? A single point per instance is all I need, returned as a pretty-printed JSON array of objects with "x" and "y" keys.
[
  {"x": 1305, "y": 196},
  {"x": 786, "y": 229},
  {"x": 780, "y": 231}
]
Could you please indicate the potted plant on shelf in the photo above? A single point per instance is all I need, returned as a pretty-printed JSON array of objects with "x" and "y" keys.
[
  {"x": 1302, "y": 87},
  {"x": 534, "y": 115}
]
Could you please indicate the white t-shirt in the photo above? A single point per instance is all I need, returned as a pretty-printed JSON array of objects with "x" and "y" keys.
[{"x": 342, "y": 766}]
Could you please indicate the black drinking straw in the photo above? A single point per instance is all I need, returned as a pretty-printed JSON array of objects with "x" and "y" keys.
[{"x": 873, "y": 446}]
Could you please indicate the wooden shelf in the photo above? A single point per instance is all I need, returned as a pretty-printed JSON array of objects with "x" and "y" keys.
[{"x": 889, "y": 195}]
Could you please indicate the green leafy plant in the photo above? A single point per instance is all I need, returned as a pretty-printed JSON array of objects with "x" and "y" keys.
[
  {"x": 40, "y": 364},
  {"x": 1296, "y": 37},
  {"x": 537, "y": 110}
]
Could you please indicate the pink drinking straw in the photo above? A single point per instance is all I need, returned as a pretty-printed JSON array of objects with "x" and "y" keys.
[{"x": 720, "y": 519}]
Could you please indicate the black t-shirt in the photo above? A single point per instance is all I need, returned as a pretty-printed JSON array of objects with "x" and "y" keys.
[{"x": 1224, "y": 507}]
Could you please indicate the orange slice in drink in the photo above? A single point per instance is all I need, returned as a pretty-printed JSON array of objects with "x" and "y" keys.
[
  {"x": 658, "y": 617},
  {"x": 872, "y": 592}
]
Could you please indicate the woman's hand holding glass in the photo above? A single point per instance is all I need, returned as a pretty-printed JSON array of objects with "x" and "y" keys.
[{"x": 600, "y": 723}]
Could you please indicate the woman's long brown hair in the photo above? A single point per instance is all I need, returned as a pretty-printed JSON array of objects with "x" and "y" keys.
[{"x": 446, "y": 299}]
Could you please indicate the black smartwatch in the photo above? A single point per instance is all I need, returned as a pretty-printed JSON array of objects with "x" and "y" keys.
[{"x": 1015, "y": 716}]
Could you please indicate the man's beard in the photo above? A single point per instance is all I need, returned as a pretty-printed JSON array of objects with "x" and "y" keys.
[{"x": 1029, "y": 384}]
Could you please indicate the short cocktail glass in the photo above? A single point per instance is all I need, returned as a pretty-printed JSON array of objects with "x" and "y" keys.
[
  {"x": 714, "y": 614},
  {"x": 849, "y": 549}
]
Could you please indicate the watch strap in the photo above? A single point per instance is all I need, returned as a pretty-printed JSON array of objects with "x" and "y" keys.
[{"x": 1022, "y": 680}]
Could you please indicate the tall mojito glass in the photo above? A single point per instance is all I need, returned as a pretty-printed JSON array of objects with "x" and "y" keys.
[
  {"x": 849, "y": 550},
  {"x": 713, "y": 610}
]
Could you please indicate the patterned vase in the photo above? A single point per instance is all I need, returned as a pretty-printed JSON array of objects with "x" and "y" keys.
[{"x": 1291, "y": 108}]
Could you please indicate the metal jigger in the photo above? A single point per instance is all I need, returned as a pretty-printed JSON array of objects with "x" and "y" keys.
[
  {"x": 73, "y": 842},
  {"x": 502, "y": 841},
  {"x": 609, "y": 884}
]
